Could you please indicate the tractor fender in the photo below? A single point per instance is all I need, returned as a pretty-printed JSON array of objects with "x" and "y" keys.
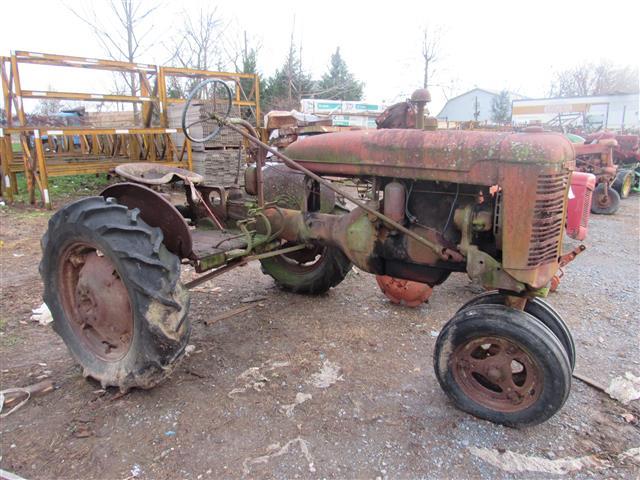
[{"x": 156, "y": 211}]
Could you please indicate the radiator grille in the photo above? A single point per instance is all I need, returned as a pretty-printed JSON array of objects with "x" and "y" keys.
[
  {"x": 547, "y": 219},
  {"x": 586, "y": 208}
]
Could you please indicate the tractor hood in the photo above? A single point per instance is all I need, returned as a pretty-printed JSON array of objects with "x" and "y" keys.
[{"x": 448, "y": 155}]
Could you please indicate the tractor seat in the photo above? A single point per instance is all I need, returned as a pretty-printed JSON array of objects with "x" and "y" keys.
[{"x": 156, "y": 174}]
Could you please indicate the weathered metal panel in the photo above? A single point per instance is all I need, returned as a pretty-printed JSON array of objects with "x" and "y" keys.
[{"x": 458, "y": 156}]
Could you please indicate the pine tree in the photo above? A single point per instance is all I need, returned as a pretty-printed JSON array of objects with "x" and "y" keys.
[
  {"x": 249, "y": 59},
  {"x": 338, "y": 83},
  {"x": 501, "y": 108},
  {"x": 288, "y": 84}
]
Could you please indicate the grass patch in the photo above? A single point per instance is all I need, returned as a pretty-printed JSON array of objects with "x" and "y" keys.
[
  {"x": 65, "y": 187},
  {"x": 9, "y": 340}
]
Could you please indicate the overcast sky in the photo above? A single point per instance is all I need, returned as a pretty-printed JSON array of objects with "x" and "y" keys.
[{"x": 488, "y": 44}]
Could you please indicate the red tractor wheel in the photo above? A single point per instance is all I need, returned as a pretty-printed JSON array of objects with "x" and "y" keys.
[{"x": 404, "y": 292}]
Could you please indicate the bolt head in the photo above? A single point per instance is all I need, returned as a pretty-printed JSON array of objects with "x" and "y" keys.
[{"x": 494, "y": 374}]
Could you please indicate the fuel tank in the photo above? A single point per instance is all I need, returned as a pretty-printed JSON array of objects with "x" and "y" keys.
[{"x": 455, "y": 156}]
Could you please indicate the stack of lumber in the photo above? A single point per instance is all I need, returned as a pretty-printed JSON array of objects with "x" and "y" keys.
[
  {"x": 225, "y": 138},
  {"x": 219, "y": 166},
  {"x": 111, "y": 119}
]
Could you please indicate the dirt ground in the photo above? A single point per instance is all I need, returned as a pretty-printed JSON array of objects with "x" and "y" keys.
[{"x": 340, "y": 386}]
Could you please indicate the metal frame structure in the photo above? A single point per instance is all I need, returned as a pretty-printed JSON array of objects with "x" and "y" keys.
[
  {"x": 243, "y": 99},
  {"x": 54, "y": 152},
  {"x": 51, "y": 151}
]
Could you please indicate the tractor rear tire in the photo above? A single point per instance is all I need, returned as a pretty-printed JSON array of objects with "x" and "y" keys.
[
  {"x": 502, "y": 365},
  {"x": 115, "y": 294},
  {"x": 540, "y": 310},
  {"x": 601, "y": 206},
  {"x": 311, "y": 271},
  {"x": 623, "y": 183}
]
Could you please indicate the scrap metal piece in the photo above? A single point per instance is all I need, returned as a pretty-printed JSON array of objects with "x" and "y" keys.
[
  {"x": 563, "y": 261},
  {"x": 404, "y": 292}
]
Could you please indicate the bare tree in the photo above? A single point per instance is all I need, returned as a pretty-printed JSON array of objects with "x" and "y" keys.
[
  {"x": 198, "y": 44},
  {"x": 430, "y": 51},
  {"x": 450, "y": 89},
  {"x": 124, "y": 34},
  {"x": 199, "y": 41},
  {"x": 49, "y": 106},
  {"x": 595, "y": 79},
  {"x": 291, "y": 68},
  {"x": 241, "y": 50}
]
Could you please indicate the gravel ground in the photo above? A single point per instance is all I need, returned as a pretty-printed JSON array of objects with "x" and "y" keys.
[{"x": 339, "y": 386}]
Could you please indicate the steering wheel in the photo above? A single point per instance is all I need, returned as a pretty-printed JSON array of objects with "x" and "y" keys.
[{"x": 208, "y": 106}]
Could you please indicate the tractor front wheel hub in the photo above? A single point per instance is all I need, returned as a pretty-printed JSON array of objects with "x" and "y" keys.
[
  {"x": 97, "y": 302},
  {"x": 497, "y": 373}
]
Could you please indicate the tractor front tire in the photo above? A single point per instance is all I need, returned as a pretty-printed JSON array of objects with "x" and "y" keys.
[
  {"x": 540, "y": 310},
  {"x": 310, "y": 271},
  {"x": 115, "y": 294},
  {"x": 602, "y": 204},
  {"x": 502, "y": 365}
]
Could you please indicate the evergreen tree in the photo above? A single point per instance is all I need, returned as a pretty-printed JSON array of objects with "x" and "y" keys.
[
  {"x": 501, "y": 108},
  {"x": 249, "y": 59},
  {"x": 289, "y": 84},
  {"x": 338, "y": 83}
]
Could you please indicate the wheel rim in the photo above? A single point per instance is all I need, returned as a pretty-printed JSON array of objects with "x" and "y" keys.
[
  {"x": 604, "y": 200},
  {"x": 96, "y": 302},
  {"x": 497, "y": 373}
]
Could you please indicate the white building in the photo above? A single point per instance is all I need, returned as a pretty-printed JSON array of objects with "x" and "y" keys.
[
  {"x": 466, "y": 107},
  {"x": 607, "y": 111}
]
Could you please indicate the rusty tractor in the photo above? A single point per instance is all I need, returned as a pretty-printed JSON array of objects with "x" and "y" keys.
[
  {"x": 626, "y": 157},
  {"x": 595, "y": 156},
  {"x": 490, "y": 204}
]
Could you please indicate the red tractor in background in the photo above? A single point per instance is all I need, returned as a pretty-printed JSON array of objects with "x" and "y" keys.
[
  {"x": 614, "y": 159},
  {"x": 626, "y": 157}
]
